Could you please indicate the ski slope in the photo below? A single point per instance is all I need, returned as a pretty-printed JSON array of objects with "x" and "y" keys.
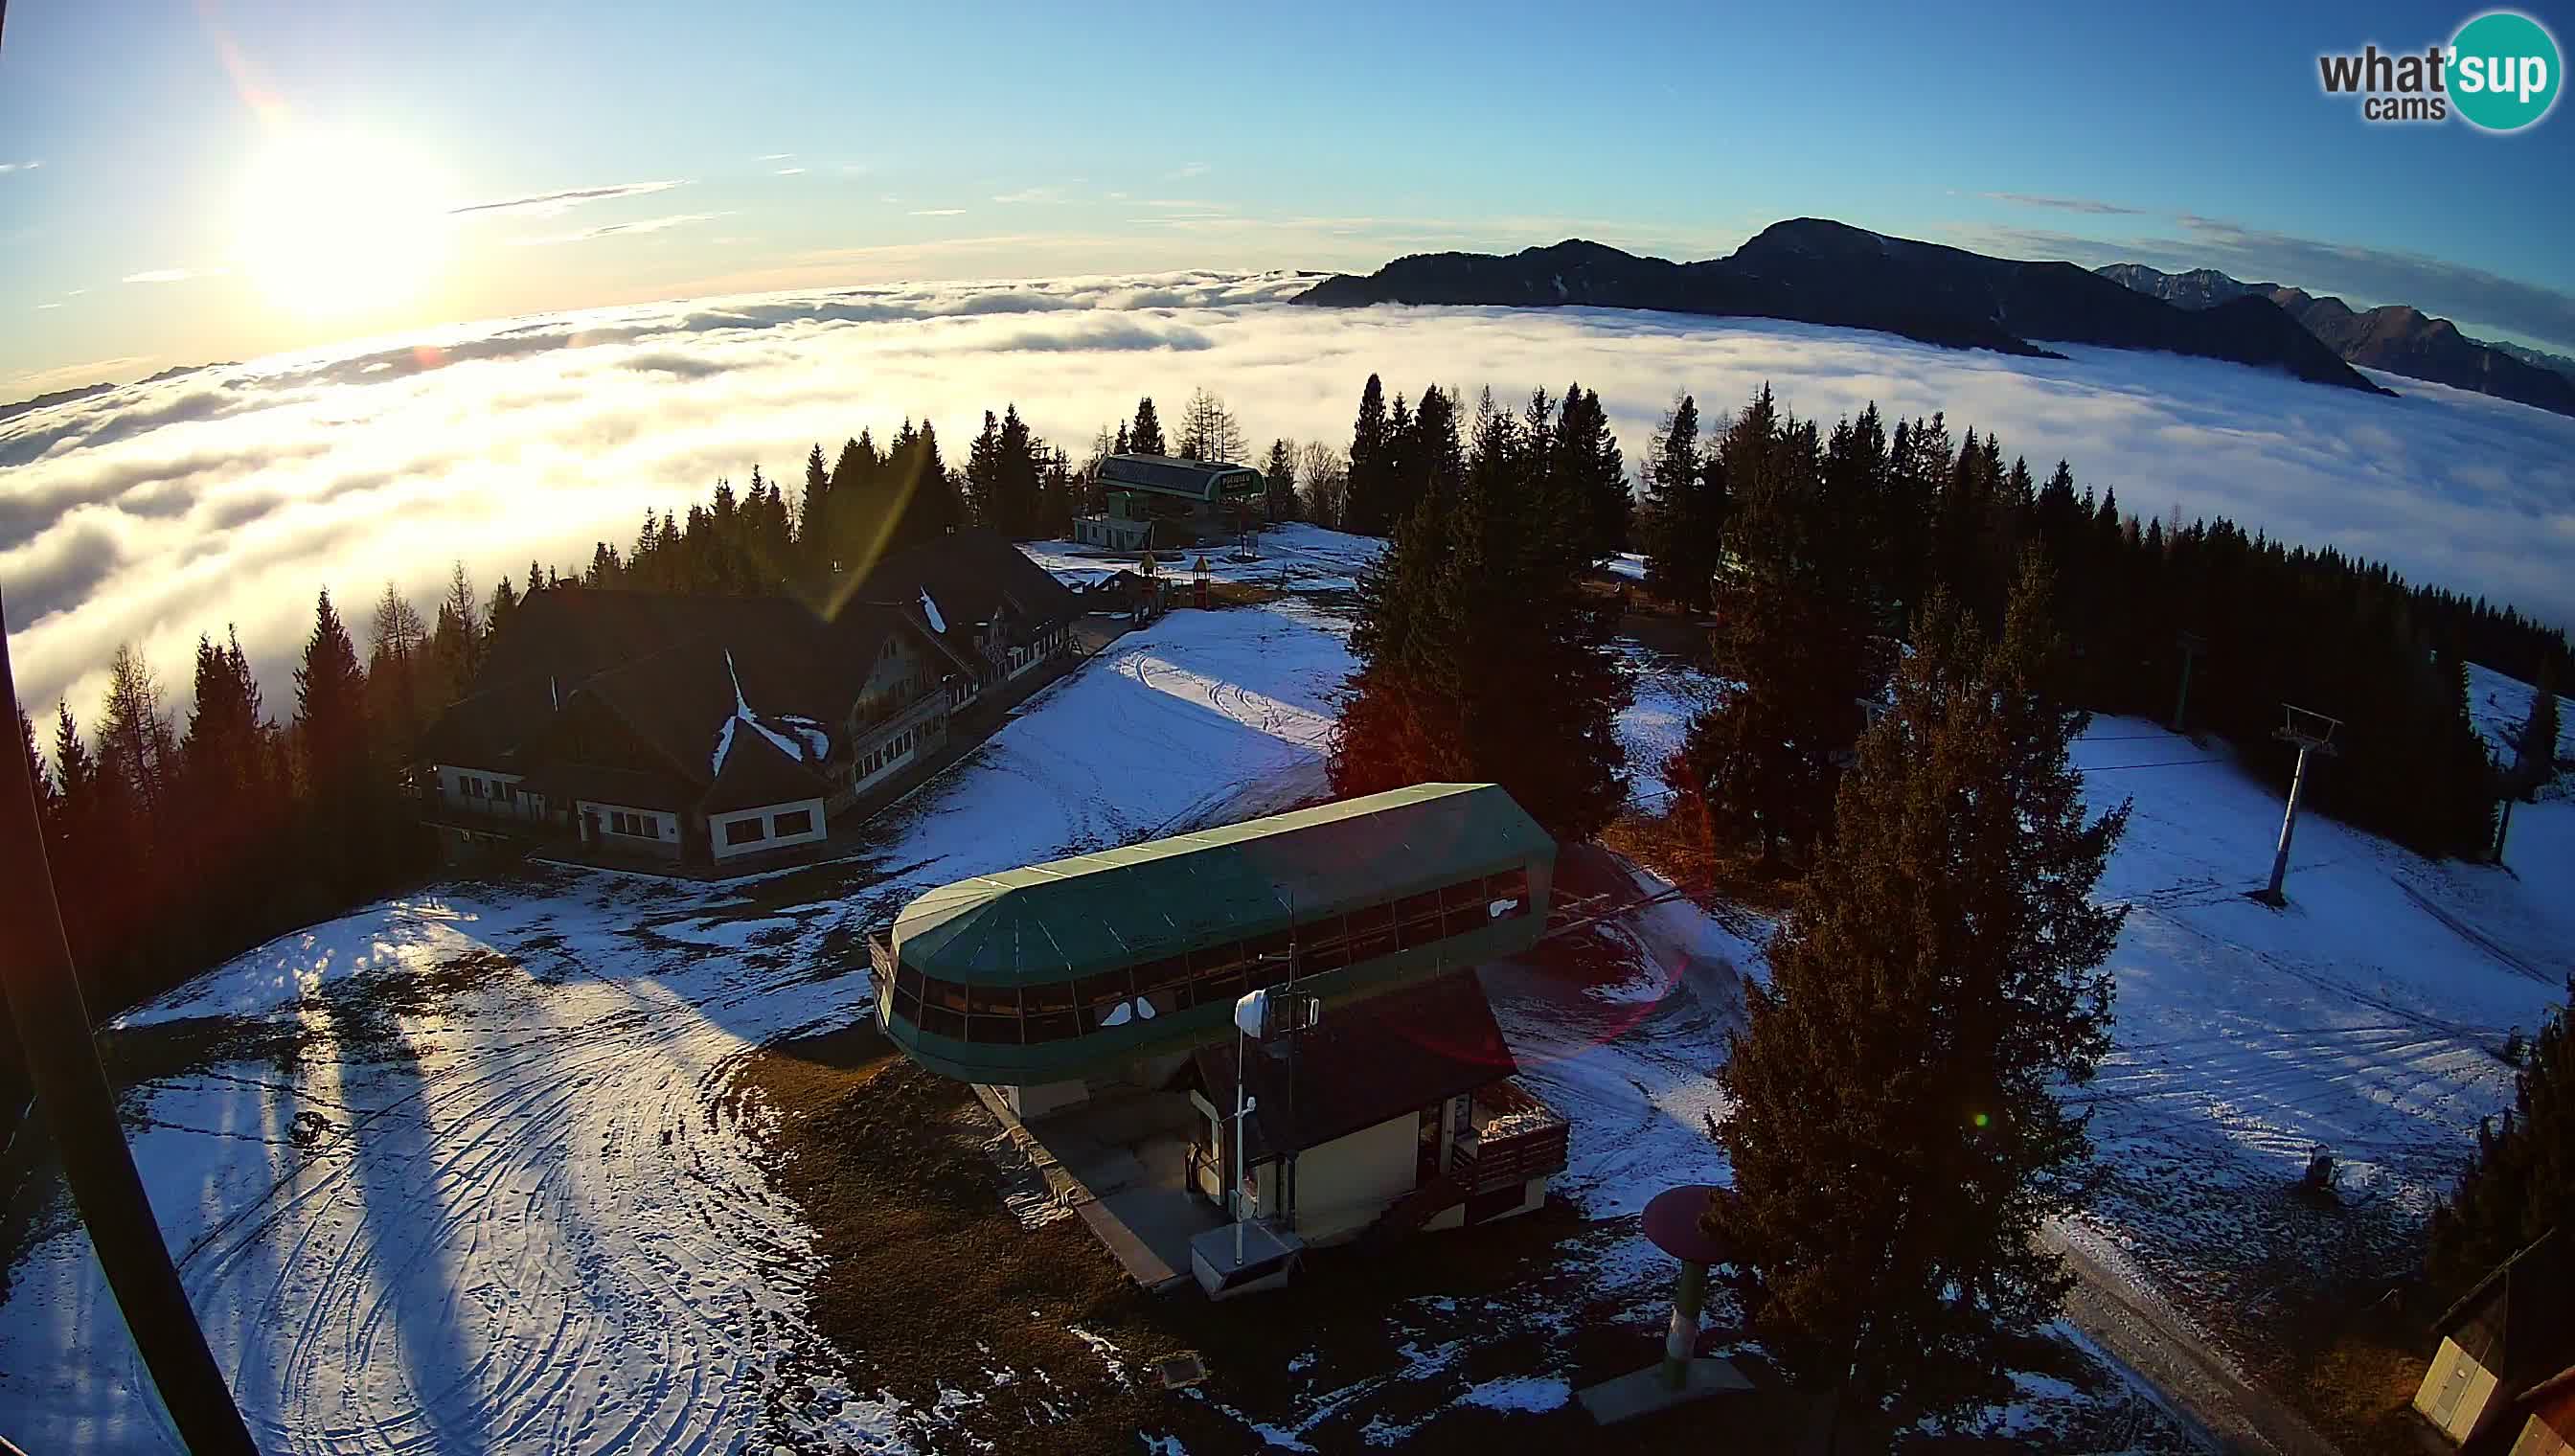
[{"x": 494, "y": 1185}]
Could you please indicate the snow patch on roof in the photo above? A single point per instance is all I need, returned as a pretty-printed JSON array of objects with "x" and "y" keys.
[
  {"x": 929, "y": 609},
  {"x": 810, "y": 743},
  {"x": 724, "y": 746}
]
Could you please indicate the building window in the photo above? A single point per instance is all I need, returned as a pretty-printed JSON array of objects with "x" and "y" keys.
[
  {"x": 743, "y": 832},
  {"x": 640, "y": 827},
  {"x": 799, "y": 823}
]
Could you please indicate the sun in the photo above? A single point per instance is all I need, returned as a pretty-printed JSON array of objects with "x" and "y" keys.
[{"x": 336, "y": 225}]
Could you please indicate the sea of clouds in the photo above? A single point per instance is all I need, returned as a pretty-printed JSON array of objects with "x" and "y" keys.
[{"x": 231, "y": 494}]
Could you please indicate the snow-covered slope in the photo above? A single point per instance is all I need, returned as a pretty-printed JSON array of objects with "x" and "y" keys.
[{"x": 496, "y": 1188}]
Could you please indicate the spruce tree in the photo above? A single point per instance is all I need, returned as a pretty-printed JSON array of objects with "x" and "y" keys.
[
  {"x": 1367, "y": 506},
  {"x": 1897, "y": 1139},
  {"x": 1679, "y": 531},
  {"x": 2522, "y": 1180},
  {"x": 346, "y": 812},
  {"x": 814, "y": 508},
  {"x": 1279, "y": 480},
  {"x": 1434, "y": 464},
  {"x": 983, "y": 477},
  {"x": 2537, "y": 742},
  {"x": 1594, "y": 477},
  {"x": 1021, "y": 468},
  {"x": 49, "y": 800},
  {"x": 1791, "y": 647},
  {"x": 1145, "y": 437},
  {"x": 1472, "y": 620}
]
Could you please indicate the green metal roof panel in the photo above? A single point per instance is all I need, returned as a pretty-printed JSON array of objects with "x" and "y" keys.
[
  {"x": 1202, "y": 481},
  {"x": 1099, "y": 911}
]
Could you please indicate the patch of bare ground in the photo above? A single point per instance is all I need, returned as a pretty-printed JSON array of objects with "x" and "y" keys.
[
  {"x": 2313, "y": 1293},
  {"x": 1675, "y": 848},
  {"x": 933, "y": 1294}
]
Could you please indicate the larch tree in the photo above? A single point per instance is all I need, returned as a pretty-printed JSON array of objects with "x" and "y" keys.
[
  {"x": 1898, "y": 1139},
  {"x": 1210, "y": 431},
  {"x": 134, "y": 739}
]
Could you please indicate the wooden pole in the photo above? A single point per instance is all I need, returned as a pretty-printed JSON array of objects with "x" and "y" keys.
[{"x": 71, "y": 1092}]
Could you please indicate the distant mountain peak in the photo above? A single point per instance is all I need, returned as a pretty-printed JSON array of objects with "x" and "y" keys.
[
  {"x": 2398, "y": 337},
  {"x": 1819, "y": 271}
]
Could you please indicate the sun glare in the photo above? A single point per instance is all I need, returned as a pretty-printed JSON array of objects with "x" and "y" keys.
[{"x": 340, "y": 225}]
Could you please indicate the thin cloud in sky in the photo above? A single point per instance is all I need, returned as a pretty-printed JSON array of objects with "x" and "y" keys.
[
  {"x": 788, "y": 171},
  {"x": 2090, "y": 205},
  {"x": 165, "y": 275},
  {"x": 8, "y": 166},
  {"x": 1188, "y": 170},
  {"x": 937, "y": 212},
  {"x": 1046, "y": 194},
  {"x": 547, "y": 204},
  {"x": 614, "y": 230},
  {"x": 42, "y": 306},
  {"x": 773, "y": 156}
]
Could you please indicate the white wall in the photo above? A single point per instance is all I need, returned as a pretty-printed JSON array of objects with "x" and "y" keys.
[
  {"x": 770, "y": 839},
  {"x": 665, "y": 824},
  {"x": 1345, "y": 1184},
  {"x": 451, "y": 790}
]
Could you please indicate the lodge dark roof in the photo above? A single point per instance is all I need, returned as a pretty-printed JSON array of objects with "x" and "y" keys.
[
  {"x": 672, "y": 670},
  {"x": 629, "y": 788},
  {"x": 1368, "y": 1061},
  {"x": 968, "y": 576},
  {"x": 2519, "y": 1321},
  {"x": 757, "y": 771}
]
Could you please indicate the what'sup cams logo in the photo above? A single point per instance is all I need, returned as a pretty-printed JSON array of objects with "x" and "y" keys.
[{"x": 2500, "y": 73}]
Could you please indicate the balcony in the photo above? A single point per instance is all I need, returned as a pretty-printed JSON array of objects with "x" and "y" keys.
[{"x": 1511, "y": 1139}]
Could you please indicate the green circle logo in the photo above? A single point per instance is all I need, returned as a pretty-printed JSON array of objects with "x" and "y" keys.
[{"x": 2504, "y": 71}]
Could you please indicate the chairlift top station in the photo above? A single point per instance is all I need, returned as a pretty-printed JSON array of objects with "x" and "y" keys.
[{"x": 1047, "y": 972}]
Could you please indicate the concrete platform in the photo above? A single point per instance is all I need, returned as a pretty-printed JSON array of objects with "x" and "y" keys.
[
  {"x": 1121, "y": 1163},
  {"x": 1267, "y": 1259},
  {"x": 1643, "y": 1392}
]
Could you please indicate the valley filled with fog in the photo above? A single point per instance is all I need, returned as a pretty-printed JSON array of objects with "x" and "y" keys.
[{"x": 228, "y": 494}]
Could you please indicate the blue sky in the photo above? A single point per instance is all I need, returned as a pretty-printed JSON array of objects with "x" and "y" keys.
[{"x": 221, "y": 180}]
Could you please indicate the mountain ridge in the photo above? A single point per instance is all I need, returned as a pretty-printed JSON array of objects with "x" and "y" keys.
[
  {"x": 2397, "y": 338},
  {"x": 1815, "y": 271}
]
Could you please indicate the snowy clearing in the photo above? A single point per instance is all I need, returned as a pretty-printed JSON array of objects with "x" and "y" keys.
[{"x": 501, "y": 1187}]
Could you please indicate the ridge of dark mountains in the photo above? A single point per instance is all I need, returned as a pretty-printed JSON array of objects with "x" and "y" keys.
[
  {"x": 57, "y": 396},
  {"x": 2538, "y": 358},
  {"x": 83, "y": 392},
  {"x": 2397, "y": 338},
  {"x": 1813, "y": 271}
]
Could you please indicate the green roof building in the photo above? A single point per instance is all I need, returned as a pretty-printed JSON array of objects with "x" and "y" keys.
[
  {"x": 1162, "y": 500},
  {"x": 1052, "y": 971}
]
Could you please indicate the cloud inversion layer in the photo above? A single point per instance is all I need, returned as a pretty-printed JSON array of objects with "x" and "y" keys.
[{"x": 230, "y": 494}]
